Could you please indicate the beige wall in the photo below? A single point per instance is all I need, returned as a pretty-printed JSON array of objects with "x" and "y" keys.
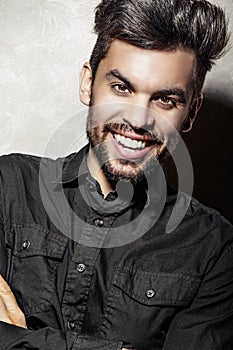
[{"x": 42, "y": 45}]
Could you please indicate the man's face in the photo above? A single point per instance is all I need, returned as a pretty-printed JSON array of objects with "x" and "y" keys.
[{"x": 138, "y": 97}]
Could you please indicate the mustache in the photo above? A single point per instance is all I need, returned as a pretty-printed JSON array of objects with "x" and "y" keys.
[{"x": 128, "y": 128}]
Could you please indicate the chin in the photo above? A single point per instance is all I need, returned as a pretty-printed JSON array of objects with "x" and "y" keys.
[{"x": 123, "y": 170}]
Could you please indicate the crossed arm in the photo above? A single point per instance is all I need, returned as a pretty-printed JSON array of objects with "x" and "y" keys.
[
  {"x": 11, "y": 314},
  {"x": 207, "y": 324},
  {"x": 9, "y": 309}
]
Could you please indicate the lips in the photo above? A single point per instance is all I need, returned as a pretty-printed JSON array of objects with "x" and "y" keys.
[{"x": 131, "y": 147}]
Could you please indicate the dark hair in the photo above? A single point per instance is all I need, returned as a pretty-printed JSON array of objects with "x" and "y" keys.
[{"x": 194, "y": 25}]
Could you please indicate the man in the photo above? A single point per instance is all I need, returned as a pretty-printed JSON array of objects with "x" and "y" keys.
[{"x": 113, "y": 285}]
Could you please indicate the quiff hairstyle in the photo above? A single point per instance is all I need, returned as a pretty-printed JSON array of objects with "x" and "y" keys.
[{"x": 194, "y": 25}]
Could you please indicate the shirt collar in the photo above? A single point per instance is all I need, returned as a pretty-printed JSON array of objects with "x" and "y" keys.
[{"x": 75, "y": 168}]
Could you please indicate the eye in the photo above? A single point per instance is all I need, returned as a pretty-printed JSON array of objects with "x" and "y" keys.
[
  {"x": 120, "y": 89},
  {"x": 167, "y": 102}
]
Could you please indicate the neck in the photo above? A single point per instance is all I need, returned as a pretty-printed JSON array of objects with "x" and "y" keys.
[{"x": 97, "y": 173}]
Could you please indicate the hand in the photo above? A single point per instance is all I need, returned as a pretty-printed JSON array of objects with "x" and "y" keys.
[{"x": 9, "y": 309}]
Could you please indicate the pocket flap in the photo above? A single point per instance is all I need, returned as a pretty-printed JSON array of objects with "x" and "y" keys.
[
  {"x": 31, "y": 240},
  {"x": 157, "y": 288}
]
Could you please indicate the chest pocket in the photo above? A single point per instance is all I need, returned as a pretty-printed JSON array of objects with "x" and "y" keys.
[
  {"x": 157, "y": 288},
  {"x": 33, "y": 259},
  {"x": 146, "y": 302}
]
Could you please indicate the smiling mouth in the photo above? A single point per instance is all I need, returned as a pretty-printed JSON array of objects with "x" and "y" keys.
[
  {"x": 129, "y": 143},
  {"x": 133, "y": 144}
]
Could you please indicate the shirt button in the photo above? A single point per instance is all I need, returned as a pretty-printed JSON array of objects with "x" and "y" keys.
[
  {"x": 71, "y": 325},
  {"x": 99, "y": 222},
  {"x": 81, "y": 268},
  {"x": 150, "y": 293},
  {"x": 25, "y": 245}
]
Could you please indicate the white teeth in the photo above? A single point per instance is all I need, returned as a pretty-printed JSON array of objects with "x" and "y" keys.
[
  {"x": 129, "y": 143},
  {"x": 140, "y": 144}
]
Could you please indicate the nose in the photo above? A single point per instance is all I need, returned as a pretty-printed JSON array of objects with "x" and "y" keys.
[{"x": 139, "y": 115}]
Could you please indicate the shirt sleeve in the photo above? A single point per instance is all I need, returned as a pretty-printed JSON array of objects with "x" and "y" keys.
[
  {"x": 3, "y": 252},
  {"x": 208, "y": 323},
  {"x": 13, "y": 337},
  {"x": 17, "y": 338}
]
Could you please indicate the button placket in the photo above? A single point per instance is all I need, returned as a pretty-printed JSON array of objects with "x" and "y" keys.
[
  {"x": 77, "y": 287},
  {"x": 99, "y": 222},
  {"x": 70, "y": 325}
]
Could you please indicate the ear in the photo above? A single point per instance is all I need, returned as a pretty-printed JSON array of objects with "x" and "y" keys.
[
  {"x": 188, "y": 123},
  {"x": 85, "y": 84}
]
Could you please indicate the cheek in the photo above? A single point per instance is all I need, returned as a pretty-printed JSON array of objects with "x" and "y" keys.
[
  {"x": 100, "y": 93},
  {"x": 103, "y": 94},
  {"x": 104, "y": 113},
  {"x": 171, "y": 123}
]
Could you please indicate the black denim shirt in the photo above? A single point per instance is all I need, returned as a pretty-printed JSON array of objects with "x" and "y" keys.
[{"x": 83, "y": 286}]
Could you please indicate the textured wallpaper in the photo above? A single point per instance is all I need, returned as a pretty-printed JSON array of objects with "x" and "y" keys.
[{"x": 43, "y": 44}]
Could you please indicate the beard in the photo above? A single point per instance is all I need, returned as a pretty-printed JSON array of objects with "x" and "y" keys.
[{"x": 116, "y": 169}]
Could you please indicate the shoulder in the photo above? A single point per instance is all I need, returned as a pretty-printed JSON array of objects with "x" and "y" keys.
[
  {"x": 16, "y": 165},
  {"x": 21, "y": 179},
  {"x": 188, "y": 220},
  {"x": 203, "y": 236},
  {"x": 20, "y": 174},
  {"x": 206, "y": 217},
  {"x": 193, "y": 213},
  {"x": 18, "y": 169},
  {"x": 208, "y": 225},
  {"x": 16, "y": 161}
]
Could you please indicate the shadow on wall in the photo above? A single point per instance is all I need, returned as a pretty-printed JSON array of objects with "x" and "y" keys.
[{"x": 210, "y": 144}]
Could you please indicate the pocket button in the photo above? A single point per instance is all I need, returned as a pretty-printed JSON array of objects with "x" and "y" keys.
[
  {"x": 150, "y": 293},
  {"x": 25, "y": 245},
  {"x": 81, "y": 268}
]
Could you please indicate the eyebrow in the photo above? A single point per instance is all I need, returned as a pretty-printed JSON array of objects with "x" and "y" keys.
[
  {"x": 176, "y": 91},
  {"x": 116, "y": 74}
]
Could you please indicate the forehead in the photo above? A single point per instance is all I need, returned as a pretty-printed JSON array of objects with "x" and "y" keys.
[{"x": 151, "y": 66}]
